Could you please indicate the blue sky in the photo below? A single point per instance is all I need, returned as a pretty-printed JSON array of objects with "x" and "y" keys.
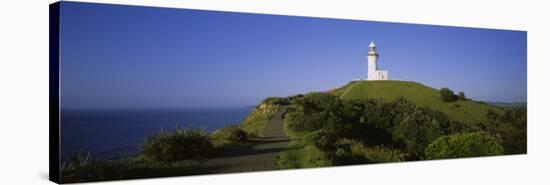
[{"x": 141, "y": 57}]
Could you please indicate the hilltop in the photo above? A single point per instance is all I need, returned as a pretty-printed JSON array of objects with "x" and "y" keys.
[{"x": 467, "y": 111}]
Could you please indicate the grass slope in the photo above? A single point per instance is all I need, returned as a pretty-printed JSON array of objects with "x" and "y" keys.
[{"x": 419, "y": 94}]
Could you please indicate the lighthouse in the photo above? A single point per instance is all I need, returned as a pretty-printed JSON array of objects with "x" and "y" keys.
[{"x": 373, "y": 73}]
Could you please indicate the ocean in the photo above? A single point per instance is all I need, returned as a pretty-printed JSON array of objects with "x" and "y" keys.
[{"x": 110, "y": 133}]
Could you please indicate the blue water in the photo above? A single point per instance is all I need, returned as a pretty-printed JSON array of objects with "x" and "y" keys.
[{"x": 110, "y": 133}]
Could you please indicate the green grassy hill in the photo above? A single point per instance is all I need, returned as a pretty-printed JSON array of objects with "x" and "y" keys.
[{"x": 419, "y": 94}]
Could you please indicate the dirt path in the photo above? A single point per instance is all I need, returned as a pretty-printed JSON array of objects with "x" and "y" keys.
[{"x": 262, "y": 156}]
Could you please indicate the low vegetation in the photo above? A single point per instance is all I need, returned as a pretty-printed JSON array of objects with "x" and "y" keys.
[
  {"x": 466, "y": 111},
  {"x": 82, "y": 167},
  {"x": 256, "y": 121},
  {"x": 355, "y": 126},
  {"x": 168, "y": 152},
  {"x": 447, "y": 95},
  {"x": 360, "y": 123},
  {"x": 302, "y": 155},
  {"x": 254, "y": 124},
  {"x": 173, "y": 152},
  {"x": 177, "y": 145},
  {"x": 462, "y": 95},
  {"x": 229, "y": 139},
  {"x": 464, "y": 145}
]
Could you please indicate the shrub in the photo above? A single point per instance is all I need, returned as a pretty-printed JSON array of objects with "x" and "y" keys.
[
  {"x": 464, "y": 145},
  {"x": 177, "y": 145},
  {"x": 417, "y": 130},
  {"x": 353, "y": 152},
  {"x": 515, "y": 141},
  {"x": 509, "y": 128},
  {"x": 512, "y": 138},
  {"x": 381, "y": 154},
  {"x": 294, "y": 124},
  {"x": 491, "y": 115},
  {"x": 254, "y": 124},
  {"x": 378, "y": 115},
  {"x": 319, "y": 102},
  {"x": 447, "y": 95},
  {"x": 299, "y": 123},
  {"x": 294, "y": 98},
  {"x": 276, "y": 101},
  {"x": 520, "y": 120},
  {"x": 316, "y": 111},
  {"x": 323, "y": 139},
  {"x": 83, "y": 167},
  {"x": 229, "y": 136},
  {"x": 303, "y": 155},
  {"x": 462, "y": 96},
  {"x": 508, "y": 116}
]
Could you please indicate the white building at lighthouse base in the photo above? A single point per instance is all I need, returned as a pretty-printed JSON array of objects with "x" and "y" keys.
[{"x": 378, "y": 75}]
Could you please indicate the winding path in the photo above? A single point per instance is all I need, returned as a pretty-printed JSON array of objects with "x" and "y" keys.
[{"x": 262, "y": 156}]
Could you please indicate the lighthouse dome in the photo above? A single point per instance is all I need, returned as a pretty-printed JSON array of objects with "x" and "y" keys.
[{"x": 372, "y": 45}]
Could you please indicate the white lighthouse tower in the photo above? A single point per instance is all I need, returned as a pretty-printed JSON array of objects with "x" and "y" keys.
[{"x": 373, "y": 73}]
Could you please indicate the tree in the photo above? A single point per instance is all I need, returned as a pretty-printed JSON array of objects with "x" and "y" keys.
[
  {"x": 491, "y": 115},
  {"x": 462, "y": 96},
  {"x": 473, "y": 144},
  {"x": 417, "y": 129},
  {"x": 447, "y": 95}
]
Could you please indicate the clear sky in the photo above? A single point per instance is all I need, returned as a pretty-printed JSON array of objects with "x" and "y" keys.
[{"x": 141, "y": 57}]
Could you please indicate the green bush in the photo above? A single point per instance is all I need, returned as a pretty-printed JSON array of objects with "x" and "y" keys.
[
  {"x": 323, "y": 139},
  {"x": 353, "y": 152},
  {"x": 276, "y": 101},
  {"x": 491, "y": 115},
  {"x": 298, "y": 123},
  {"x": 295, "y": 124},
  {"x": 464, "y": 145},
  {"x": 510, "y": 129},
  {"x": 316, "y": 111},
  {"x": 254, "y": 124},
  {"x": 417, "y": 130},
  {"x": 447, "y": 95},
  {"x": 380, "y": 115},
  {"x": 319, "y": 102},
  {"x": 462, "y": 96},
  {"x": 229, "y": 136},
  {"x": 177, "y": 145},
  {"x": 303, "y": 155},
  {"x": 378, "y": 154},
  {"x": 82, "y": 167},
  {"x": 512, "y": 138}
]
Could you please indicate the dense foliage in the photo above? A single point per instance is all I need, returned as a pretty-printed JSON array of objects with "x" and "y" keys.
[
  {"x": 510, "y": 129},
  {"x": 231, "y": 136},
  {"x": 358, "y": 131},
  {"x": 447, "y": 95},
  {"x": 177, "y": 145},
  {"x": 355, "y": 152},
  {"x": 82, "y": 167},
  {"x": 462, "y": 95},
  {"x": 464, "y": 145}
]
